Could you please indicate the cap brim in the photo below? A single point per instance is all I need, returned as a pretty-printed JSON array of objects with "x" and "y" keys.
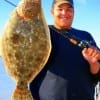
[{"x": 62, "y": 2}]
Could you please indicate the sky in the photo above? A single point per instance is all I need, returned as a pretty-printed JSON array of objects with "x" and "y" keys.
[{"x": 87, "y": 17}]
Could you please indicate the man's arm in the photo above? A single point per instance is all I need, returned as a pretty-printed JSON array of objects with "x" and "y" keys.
[{"x": 92, "y": 55}]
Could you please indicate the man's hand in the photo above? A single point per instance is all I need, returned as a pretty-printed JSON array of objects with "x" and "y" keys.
[{"x": 92, "y": 55}]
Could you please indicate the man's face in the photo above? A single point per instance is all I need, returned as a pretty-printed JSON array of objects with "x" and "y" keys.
[{"x": 63, "y": 16}]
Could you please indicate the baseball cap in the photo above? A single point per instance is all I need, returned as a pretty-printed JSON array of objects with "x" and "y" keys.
[{"x": 59, "y": 2}]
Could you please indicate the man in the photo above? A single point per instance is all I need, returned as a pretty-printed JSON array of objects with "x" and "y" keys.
[{"x": 72, "y": 71}]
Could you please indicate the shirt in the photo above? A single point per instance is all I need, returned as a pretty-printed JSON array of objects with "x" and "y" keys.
[{"x": 66, "y": 75}]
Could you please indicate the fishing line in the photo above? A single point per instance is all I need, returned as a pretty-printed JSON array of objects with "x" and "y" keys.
[{"x": 11, "y": 3}]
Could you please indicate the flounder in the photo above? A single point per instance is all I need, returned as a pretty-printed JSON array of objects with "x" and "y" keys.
[{"x": 25, "y": 46}]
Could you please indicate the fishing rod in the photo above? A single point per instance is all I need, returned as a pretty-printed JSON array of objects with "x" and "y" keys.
[
  {"x": 74, "y": 39},
  {"x": 10, "y": 3}
]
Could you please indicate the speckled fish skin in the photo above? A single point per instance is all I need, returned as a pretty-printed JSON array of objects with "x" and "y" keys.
[{"x": 26, "y": 46}]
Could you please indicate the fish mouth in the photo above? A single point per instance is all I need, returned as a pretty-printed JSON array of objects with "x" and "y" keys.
[{"x": 28, "y": 10}]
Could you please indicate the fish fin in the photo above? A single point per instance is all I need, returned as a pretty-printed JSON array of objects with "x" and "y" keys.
[
  {"x": 0, "y": 46},
  {"x": 21, "y": 94}
]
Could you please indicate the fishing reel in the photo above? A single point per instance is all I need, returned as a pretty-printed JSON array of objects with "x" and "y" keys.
[{"x": 84, "y": 44}]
